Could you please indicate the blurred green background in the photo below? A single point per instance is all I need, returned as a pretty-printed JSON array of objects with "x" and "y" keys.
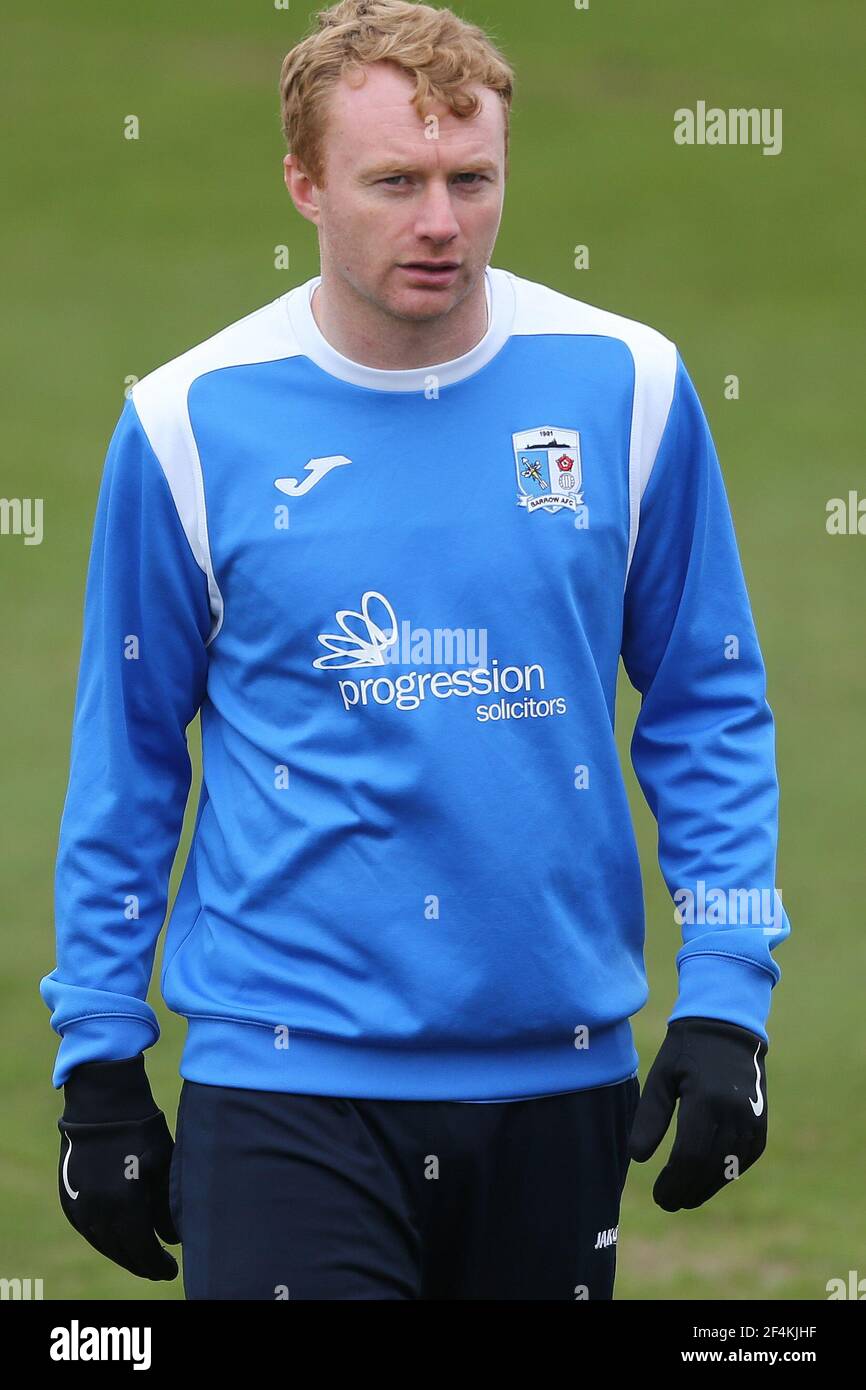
[{"x": 118, "y": 255}]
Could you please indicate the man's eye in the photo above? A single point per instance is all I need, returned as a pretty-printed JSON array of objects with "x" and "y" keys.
[{"x": 391, "y": 180}]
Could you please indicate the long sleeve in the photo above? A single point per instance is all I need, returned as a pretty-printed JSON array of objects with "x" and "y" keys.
[
  {"x": 141, "y": 679},
  {"x": 703, "y": 744}
]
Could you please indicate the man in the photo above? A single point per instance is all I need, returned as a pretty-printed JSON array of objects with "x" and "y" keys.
[{"x": 391, "y": 534}]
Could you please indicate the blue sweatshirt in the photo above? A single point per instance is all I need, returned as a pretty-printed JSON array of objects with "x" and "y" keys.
[{"x": 399, "y": 600}]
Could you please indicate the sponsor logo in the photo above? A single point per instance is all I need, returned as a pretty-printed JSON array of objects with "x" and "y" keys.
[
  {"x": 370, "y": 636},
  {"x": 361, "y": 641}
]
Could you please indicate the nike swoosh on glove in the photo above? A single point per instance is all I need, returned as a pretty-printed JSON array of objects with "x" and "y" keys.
[
  {"x": 716, "y": 1070},
  {"x": 115, "y": 1155}
]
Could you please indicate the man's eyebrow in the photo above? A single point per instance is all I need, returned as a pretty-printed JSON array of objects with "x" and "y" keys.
[{"x": 478, "y": 165}]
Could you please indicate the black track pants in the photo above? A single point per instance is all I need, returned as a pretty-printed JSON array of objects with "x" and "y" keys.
[{"x": 288, "y": 1196}]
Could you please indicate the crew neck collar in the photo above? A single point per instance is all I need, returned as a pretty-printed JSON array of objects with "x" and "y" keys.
[{"x": 500, "y": 317}]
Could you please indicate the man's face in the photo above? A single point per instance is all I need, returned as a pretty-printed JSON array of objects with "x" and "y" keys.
[{"x": 401, "y": 190}]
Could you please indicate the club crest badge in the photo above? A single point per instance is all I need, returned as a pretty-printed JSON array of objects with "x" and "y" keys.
[{"x": 548, "y": 469}]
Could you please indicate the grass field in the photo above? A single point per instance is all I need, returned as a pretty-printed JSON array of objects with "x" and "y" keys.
[{"x": 120, "y": 254}]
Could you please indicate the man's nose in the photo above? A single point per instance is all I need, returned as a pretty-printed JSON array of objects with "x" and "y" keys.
[{"x": 436, "y": 219}]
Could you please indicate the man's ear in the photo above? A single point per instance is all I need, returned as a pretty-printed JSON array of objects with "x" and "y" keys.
[{"x": 302, "y": 190}]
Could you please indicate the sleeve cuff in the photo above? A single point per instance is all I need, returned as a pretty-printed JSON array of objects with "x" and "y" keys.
[
  {"x": 712, "y": 985},
  {"x": 101, "y": 1038}
]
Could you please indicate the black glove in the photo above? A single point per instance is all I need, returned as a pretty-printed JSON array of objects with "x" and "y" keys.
[
  {"x": 717, "y": 1071},
  {"x": 111, "y": 1119}
]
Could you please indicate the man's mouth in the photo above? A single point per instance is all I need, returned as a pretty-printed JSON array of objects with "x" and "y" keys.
[{"x": 433, "y": 272}]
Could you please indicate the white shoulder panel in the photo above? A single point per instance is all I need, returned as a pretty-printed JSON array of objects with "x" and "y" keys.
[
  {"x": 161, "y": 399},
  {"x": 541, "y": 309}
]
